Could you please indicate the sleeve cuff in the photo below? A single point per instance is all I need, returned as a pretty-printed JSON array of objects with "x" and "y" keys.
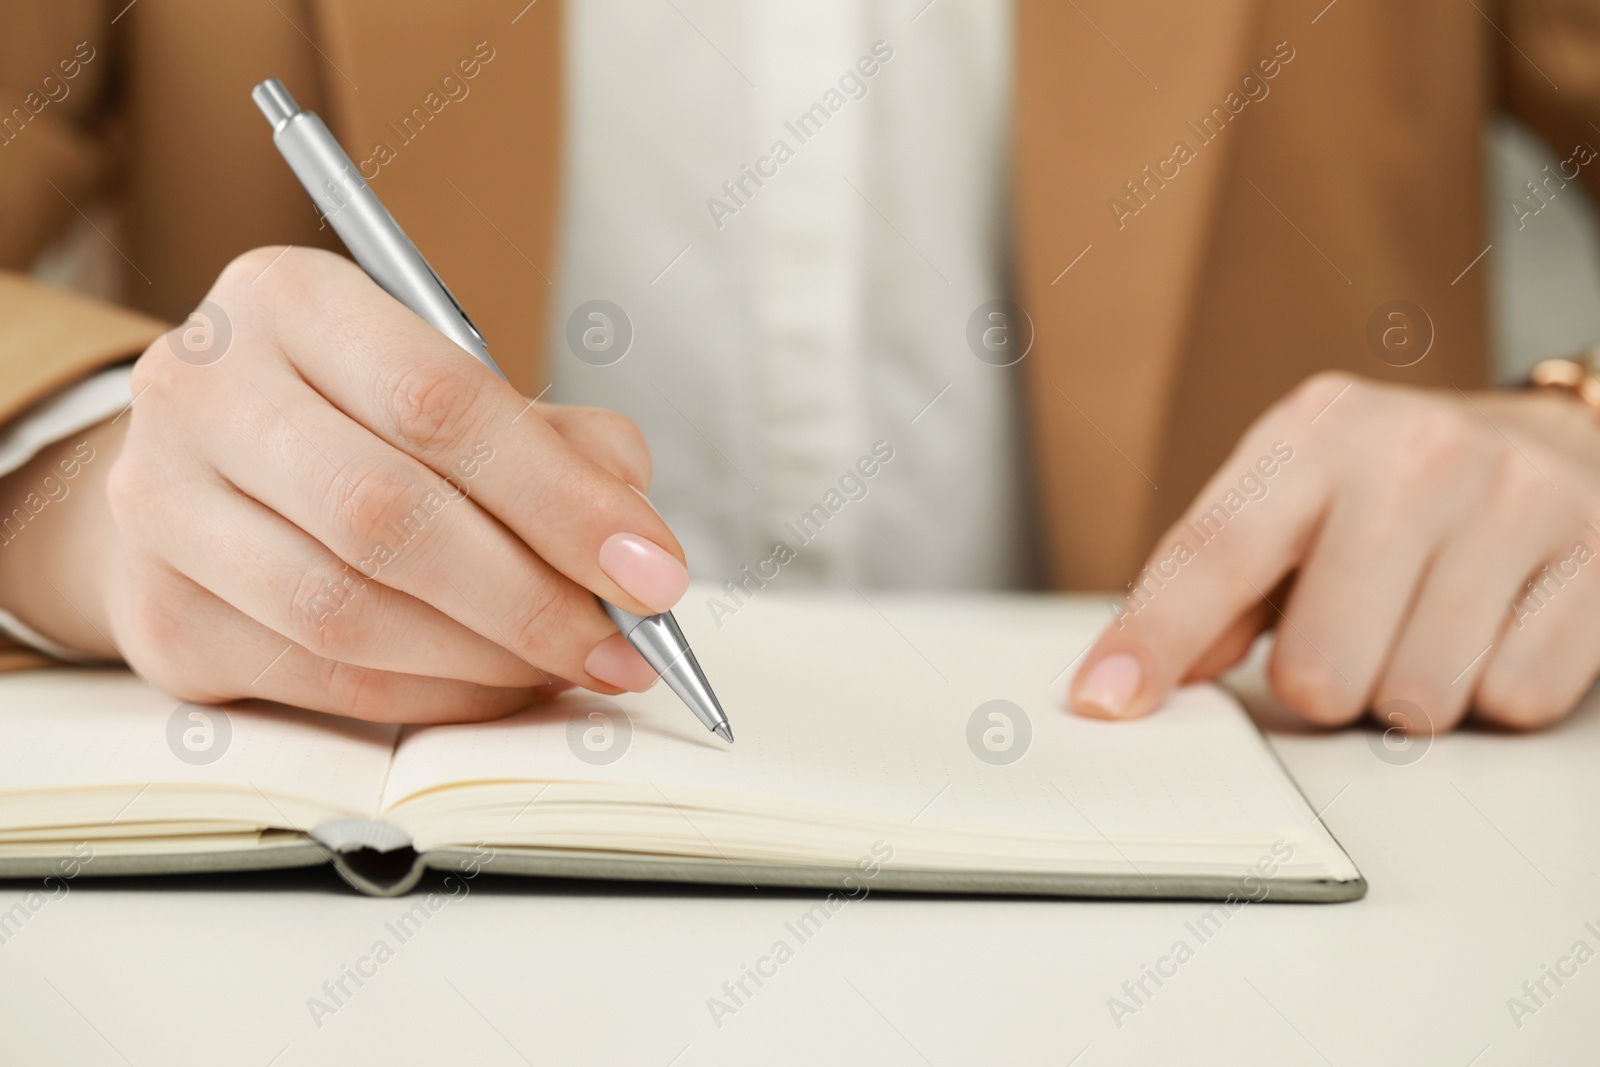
[{"x": 72, "y": 410}]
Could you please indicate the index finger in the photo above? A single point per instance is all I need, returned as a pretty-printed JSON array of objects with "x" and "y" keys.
[
  {"x": 1240, "y": 536},
  {"x": 390, "y": 371}
]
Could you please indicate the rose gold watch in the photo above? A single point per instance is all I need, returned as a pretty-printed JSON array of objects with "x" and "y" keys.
[{"x": 1577, "y": 375}]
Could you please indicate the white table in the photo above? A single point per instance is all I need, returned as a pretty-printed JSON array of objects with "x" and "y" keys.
[{"x": 1483, "y": 858}]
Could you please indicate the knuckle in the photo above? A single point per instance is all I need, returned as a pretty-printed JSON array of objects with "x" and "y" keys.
[
  {"x": 614, "y": 425},
  {"x": 1315, "y": 393},
  {"x": 544, "y": 618},
  {"x": 248, "y": 267},
  {"x": 263, "y": 278},
  {"x": 126, "y": 489},
  {"x": 330, "y": 613},
  {"x": 148, "y": 368},
  {"x": 434, "y": 406},
  {"x": 262, "y": 288},
  {"x": 1312, "y": 690},
  {"x": 1522, "y": 507},
  {"x": 1521, "y": 494},
  {"x": 1431, "y": 441},
  {"x": 158, "y": 375},
  {"x": 372, "y": 502},
  {"x": 1520, "y": 701},
  {"x": 1324, "y": 385},
  {"x": 632, "y": 447},
  {"x": 273, "y": 271},
  {"x": 618, "y": 443},
  {"x": 1431, "y": 463}
]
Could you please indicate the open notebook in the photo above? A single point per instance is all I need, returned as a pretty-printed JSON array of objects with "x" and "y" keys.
[{"x": 906, "y": 743}]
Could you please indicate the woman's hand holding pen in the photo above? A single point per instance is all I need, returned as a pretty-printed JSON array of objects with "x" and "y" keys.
[{"x": 344, "y": 511}]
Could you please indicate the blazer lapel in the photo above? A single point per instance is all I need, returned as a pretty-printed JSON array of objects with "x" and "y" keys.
[
  {"x": 1101, "y": 109},
  {"x": 453, "y": 114}
]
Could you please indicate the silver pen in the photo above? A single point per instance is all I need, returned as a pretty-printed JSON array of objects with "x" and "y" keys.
[{"x": 390, "y": 259}]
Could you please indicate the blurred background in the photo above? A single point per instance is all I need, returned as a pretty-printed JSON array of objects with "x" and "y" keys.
[{"x": 1546, "y": 276}]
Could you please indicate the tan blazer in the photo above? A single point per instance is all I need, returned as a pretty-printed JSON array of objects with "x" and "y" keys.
[{"x": 1235, "y": 185}]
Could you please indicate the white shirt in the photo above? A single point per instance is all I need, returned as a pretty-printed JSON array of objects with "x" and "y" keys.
[
  {"x": 798, "y": 315},
  {"x": 781, "y": 329}
]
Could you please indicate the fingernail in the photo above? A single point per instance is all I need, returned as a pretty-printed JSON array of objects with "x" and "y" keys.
[
  {"x": 618, "y": 663},
  {"x": 1108, "y": 689},
  {"x": 648, "y": 572}
]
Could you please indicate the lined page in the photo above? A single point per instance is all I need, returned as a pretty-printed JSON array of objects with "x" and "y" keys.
[{"x": 844, "y": 701}]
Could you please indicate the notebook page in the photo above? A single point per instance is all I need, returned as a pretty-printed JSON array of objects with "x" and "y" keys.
[
  {"x": 844, "y": 702},
  {"x": 85, "y": 747}
]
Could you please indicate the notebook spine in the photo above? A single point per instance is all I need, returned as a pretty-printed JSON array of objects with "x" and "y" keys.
[{"x": 374, "y": 857}]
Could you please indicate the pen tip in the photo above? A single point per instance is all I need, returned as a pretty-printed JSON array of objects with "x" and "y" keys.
[{"x": 724, "y": 731}]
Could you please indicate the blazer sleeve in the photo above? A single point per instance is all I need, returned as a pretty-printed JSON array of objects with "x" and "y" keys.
[
  {"x": 55, "y": 79},
  {"x": 50, "y": 338},
  {"x": 1549, "y": 63},
  {"x": 56, "y": 140}
]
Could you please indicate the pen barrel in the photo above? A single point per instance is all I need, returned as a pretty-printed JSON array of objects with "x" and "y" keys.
[
  {"x": 664, "y": 647},
  {"x": 370, "y": 233}
]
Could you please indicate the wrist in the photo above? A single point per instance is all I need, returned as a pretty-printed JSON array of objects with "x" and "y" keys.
[{"x": 57, "y": 541}]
